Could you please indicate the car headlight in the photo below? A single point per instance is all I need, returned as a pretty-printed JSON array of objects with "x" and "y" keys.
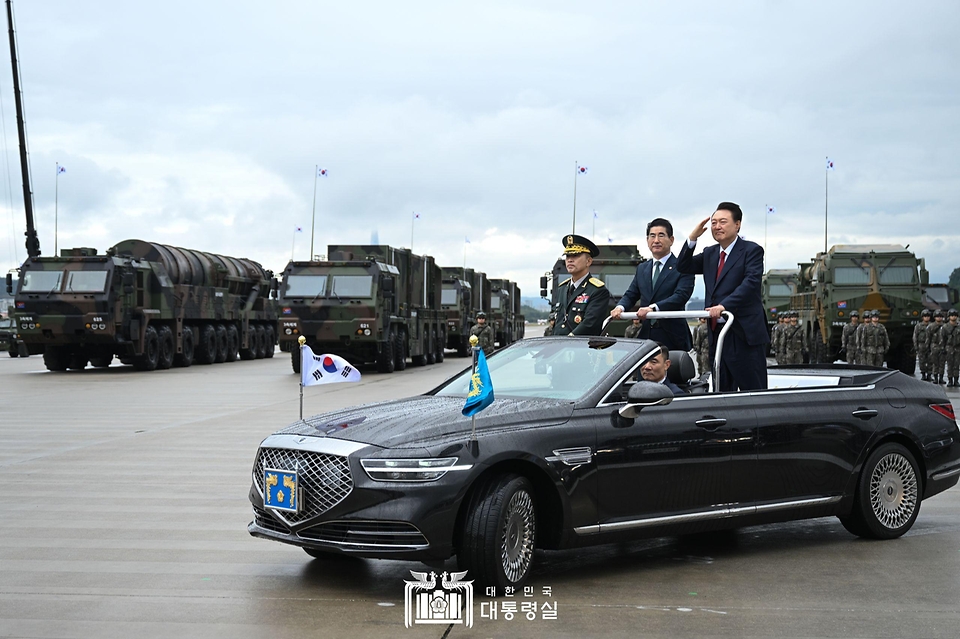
[{"x": 430, "y": 469}]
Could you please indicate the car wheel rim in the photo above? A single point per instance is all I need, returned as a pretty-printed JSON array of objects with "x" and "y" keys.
[
  {"x": 517, "y": 537},
  {"x": 893, "y": 491}
]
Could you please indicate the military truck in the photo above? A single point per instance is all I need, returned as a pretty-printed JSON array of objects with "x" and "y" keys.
[
  {"x": 779, "y": 285},
  {"x": 505, "y": 316},
  {"x": 151, "y": 305},
  {"x": 370, "y": 304},
  {"x": 616, "y": 265},
  {"x": 461, "y": 299},
  {"x": 884, "y": 277},
  {"x": 940, "y": 297},
  {"x": 9, "y": 341}
]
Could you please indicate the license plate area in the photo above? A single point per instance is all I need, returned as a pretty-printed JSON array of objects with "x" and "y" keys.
[{"x": 281, "y": 490}]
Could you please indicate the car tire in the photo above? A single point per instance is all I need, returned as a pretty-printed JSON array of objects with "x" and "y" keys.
[
  {"x": 207, "y": 345},
  {"x": 386, "y": 361},
  {"x": 185, "y": 358},
  {"x": 499, "y": 532},
  {"x": 167, "y": 348},
  {"x": 233, "y": 343},
  {"x": 271, "y": 342},
  {"x": 888, "y": 495},
  {"x": 148, "y": 359}
]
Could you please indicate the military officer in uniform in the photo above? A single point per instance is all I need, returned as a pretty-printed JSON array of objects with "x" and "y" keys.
[
  {"x": 484, "y": 333},
  {"x": 583, "y": 302}
]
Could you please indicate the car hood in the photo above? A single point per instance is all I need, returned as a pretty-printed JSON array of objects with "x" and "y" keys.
[{"x": 429, "y": 420}]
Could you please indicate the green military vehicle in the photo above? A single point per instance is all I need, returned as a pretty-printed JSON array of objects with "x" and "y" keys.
[
  {"x": 616, "y": 265},
  {"x": 366, "y": 303},
  {"x": 465, "y": 293},
  {"x": 884, "y": 277},
  {"x": 941, "y": 297},
  {"x": 505, "y": 316},
  {"x": 778, "y": 286},
  {"x": 151, "y": 305},
  {"x": 8, "y": 337}
]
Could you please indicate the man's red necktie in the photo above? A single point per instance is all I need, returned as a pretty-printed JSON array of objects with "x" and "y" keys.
[{"x": 723, "y": 257}]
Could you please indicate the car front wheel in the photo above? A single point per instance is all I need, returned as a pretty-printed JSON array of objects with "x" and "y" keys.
[
  {"x": 499, "y": 532},
  {"x": 888, "y": 495}
]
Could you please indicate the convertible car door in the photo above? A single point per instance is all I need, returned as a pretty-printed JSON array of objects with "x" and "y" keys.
[
  {"x": 693, "y": 455},
  {"x": 809, "y": 439}
]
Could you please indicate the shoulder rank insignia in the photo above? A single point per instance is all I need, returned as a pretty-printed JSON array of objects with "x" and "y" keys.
[
  {"x": 566, "y": 281},
  {"x": 596, "y": 282}
]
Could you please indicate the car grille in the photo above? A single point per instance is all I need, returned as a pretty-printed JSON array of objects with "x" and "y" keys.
[
  {"x": 263, "y": 519},
  {"x": 393, "y": 534},
  {"x": 324, "y": 479}
]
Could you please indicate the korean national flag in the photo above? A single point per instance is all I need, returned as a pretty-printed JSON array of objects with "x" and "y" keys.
[{"x": 325, "y": 369}]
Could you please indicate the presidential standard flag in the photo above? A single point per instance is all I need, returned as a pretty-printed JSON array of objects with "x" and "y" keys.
[
  {"x": 325, "y": 369},
  {"x": 480, "y": 394}
]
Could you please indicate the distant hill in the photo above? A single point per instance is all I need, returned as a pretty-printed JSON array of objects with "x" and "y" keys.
[
  {"x": 536, "y": 303},
  {"x": 695, "y": 304}
]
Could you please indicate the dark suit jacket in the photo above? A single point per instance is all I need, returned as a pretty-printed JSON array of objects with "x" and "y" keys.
[
  {"x": 676, "y": 389},
  {"x": 671, "y": 293},
  {"x": 738, "y": 289},
  {"x": 582, "y": 312}
]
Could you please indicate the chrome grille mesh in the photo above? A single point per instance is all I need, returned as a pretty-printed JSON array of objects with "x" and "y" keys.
[
  {"x": 266, "y": 520},
  {"x": 324, "y": 479},
  {"x": 367, "y": 533}
]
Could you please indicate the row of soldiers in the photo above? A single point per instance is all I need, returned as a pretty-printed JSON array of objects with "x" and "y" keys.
[
  {"x": 865, "y": 343},
  {"x": 938, "y": 347},
  {"x": 788, "y": 340}
]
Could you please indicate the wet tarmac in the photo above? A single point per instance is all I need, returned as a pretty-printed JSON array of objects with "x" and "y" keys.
[{"x": 124, "y": 511}]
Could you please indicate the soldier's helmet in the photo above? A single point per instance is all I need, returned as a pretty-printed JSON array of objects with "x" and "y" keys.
[
  {"x": 553, "y": 317},
  {"x": 952, "y": 313},
  {"x": 926, "y": 313},
  {"x": 481, "y": 314},
  {"x": 938, "y": 313},
  {"x": 854, "y": 314}
]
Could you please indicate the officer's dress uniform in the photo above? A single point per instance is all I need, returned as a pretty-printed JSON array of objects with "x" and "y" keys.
[{"x": 581, "y": 310}]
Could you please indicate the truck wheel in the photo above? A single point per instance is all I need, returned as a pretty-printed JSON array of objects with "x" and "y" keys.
[
  {"x": 295, "y": 360},
  {"x": 431, "y": 346},
  {"x": 207, "y": 345},
  {"x": 101, "y": 361},
  {"x": 463, "y": 347},
  {"x": 250, "y": 352},
  {"x": 12, "y": 352},
  {"x": 402, "y": 348},
  {"x": 441, "y": 345},
  {"x": 185, "y": 358},
  {"x": 499, "y": 532},
  {"x": 221, "y": 353},
  {"x": 54, "y": 358},
  {"x": 233, "y": 343},
  {"x": 271, "y": 342},
  {"x": 386, "y": 360},
  {"x": 147, "y": 361},
  {"x": 261, "y": 342},
  {"x": 167, "y": 348}
]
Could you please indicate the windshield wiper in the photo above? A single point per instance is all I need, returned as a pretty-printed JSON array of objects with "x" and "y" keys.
[{"x": 333, "y": 290}]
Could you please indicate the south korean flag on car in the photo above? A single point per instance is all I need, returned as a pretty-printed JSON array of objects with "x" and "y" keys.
[{"x": 325, "y": 369}]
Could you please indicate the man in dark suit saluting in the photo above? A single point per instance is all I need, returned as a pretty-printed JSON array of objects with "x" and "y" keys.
[
  {"x": 732, "y": 271},
  {"x": 659, "y": 286}
]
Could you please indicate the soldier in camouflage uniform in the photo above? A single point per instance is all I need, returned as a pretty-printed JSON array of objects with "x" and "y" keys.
[
  {"x": 551, "y": 322},
  {"x": 937, "y": 348},
  {"x": 775, "y": 334},
  {"x": 633, "y": 329},
  {"x": 921, "y": 344},
  {"x": 874, "y": 341},
  {"x": 794, "y": 341},
  {"x": 950, "y": 336},
  {"x": 701, "y": 344},
  {"x": 848, "y": 341},
  {"x": 484, "y": 333}
]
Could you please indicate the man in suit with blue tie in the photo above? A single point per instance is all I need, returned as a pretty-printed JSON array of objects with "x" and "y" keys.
[
  {"x": 732, "y": 272},
  {"x": 659, "y": 286}
]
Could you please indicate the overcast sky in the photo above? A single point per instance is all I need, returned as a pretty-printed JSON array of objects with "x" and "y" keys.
[{"x": 199, "y": 124}]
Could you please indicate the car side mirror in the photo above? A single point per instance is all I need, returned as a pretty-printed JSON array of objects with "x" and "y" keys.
[
  {"x": 644, "y": 394},
  {"x": 9, "y": 284}
]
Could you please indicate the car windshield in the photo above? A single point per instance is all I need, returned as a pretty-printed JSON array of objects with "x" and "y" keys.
[
  {"x": 305, "y": 285},
  {"x": 86, "y": 281},
  {"x": 45, "y": 281},
  {"x": 554, "y": 369},
  {"x": 351, "y": 285}
]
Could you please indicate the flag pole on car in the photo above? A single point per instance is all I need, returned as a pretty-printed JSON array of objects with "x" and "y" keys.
[{"x": 322, "y": 369}]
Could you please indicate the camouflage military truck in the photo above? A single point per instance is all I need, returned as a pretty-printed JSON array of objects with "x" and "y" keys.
[
  {"x": 9, "y": 340},
  {"x": 615, "y": 265},
  {"x": 151, "y": 305},
  {"x": 461, "y": 298},
  {"x": 779, "y": 285},
  {"x": 368, "y": 304},
  {"x": 940, "y": 296},
  {"x": 884, "y": 277},
  {"x": 504, "y": 315}
]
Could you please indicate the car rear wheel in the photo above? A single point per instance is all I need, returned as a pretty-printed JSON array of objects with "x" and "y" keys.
[
  {"x": 499, "y": 532},
  {"x": 888, "y": 495}
]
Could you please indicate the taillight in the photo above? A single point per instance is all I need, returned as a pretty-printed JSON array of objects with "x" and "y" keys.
[{"x": 945, "y": 409}]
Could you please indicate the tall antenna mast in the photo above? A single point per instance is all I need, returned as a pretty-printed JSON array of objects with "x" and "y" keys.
[{"x": 33, "y": 242}]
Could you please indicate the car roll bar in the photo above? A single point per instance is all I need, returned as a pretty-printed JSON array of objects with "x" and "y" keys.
[{"x": 654, "y": 315}]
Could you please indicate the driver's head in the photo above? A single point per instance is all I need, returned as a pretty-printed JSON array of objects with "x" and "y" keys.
[{"x": 655, "y": 369}]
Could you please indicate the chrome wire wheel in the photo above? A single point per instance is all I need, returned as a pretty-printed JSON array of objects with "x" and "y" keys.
[
  {"x": 893, "y": 491},
  {"x": 517, "y": 536}
]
